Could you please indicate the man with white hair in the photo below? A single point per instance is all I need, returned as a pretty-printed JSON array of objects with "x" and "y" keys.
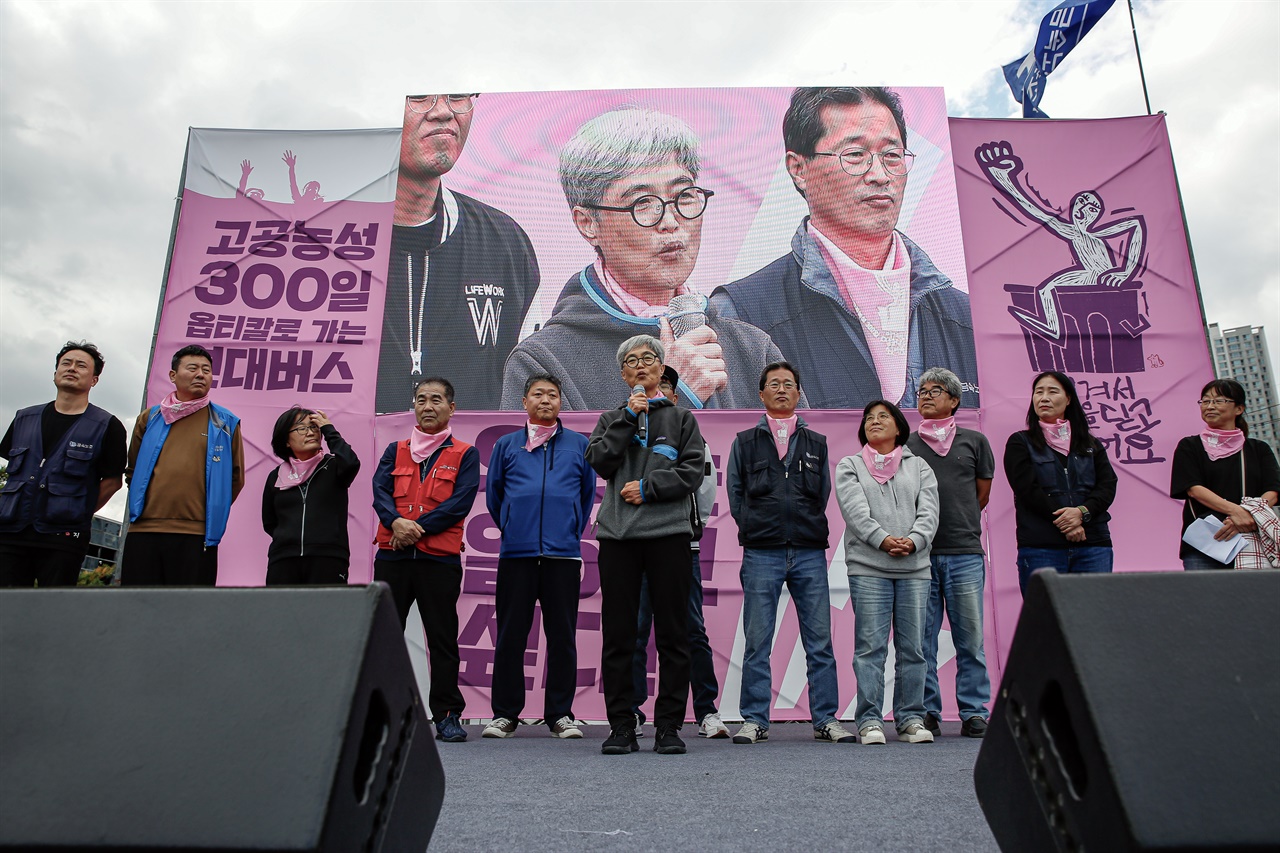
[{"x": 629, "y": 177}]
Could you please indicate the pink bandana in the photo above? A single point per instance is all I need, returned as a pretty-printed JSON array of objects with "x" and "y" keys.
[
  {"x": 634, "y": 305},
  {"x": 294, "y": 472},
  {"x": 882, "y": 468},
  {"x": 782, "y": 430},
  {"x": 422, "y": 445},
  {"x": 172, "y": 409},
  {"x": 938, "y": 434},
  {"x": 1058, "y": 435},
  {"x": 538, "y": 435},
  {"x": 1221, "y": 443}
]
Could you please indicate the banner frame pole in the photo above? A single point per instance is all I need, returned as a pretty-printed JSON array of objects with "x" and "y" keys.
[{"x": 1143, "y": 76}]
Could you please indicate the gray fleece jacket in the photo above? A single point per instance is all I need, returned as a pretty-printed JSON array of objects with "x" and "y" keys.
[
  {"x": 669, "y": 467},
  {"x": 907, "y": 505}
]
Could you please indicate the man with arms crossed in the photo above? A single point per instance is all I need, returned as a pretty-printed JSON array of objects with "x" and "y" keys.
[
  {"x": 422, "y": 491},
  {"x": 66, "y": 460},
  {"x": 964, "y": 465},
  {"x": 539, "y": 493},
  {"x": 186, "y": 466},
  {"x": 856, "y": 306},
  {"x": 650, "y": 453},
  {"x": 779, "y": 483}
]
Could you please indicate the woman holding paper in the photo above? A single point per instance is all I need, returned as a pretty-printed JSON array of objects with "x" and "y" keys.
[
  {"x": 1063, "y": 484},
  {"x": 1217, "y": 469}
]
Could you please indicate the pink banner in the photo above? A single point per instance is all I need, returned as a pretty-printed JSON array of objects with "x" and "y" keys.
[{"x": 1078, "y": 262}]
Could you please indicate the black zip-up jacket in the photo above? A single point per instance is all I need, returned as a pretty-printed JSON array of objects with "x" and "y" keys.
[
  {"x": 311, "y": 520},
  {"x": 779, "y": 502}
]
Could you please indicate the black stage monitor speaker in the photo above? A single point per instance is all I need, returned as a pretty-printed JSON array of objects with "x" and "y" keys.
[
  {"x": 212, "y": 719},
  {"x": 1138, "y": 712}
]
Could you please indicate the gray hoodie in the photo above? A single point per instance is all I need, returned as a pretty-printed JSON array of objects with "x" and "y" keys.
[{"x": 907, "y": 505}]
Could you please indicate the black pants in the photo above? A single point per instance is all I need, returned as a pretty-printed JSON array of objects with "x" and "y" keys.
[
  {"x": 665, "y": 563},
  {"x": 26, "y": 565},
  {"x": 300, "y": 571},
  {"x": 555, "y": 584},
  {"x": 168, "y": 559},
  {"x": 435, "y": 586}
]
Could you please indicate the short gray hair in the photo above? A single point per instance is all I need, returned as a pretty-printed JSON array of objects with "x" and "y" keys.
[
  {"x": 615, "y": 144},
  {"x": 641, "y": 341},
  {"x": 941, "y": 376}
]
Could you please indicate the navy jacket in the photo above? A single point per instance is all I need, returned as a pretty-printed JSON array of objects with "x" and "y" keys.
[
  {"x": 1044, "y": 480},
  {"x": 796, "y": 301},
  {"x": 779, "y": 503},
  {"x": 54, "y": 489},
  {"x": 541, "y": 500}
]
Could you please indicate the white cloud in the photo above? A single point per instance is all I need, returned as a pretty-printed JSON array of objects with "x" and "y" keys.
[{"x": 96, "y": 99}]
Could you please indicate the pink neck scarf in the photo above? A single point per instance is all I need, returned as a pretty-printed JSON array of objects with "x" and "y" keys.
[
  {"x": 538, "y": 435},
  {"x": 422, "y": 445},
  {"x": 882, "y": 468},
  {"x": 1058, "y": 435},
  {"x": 938, "y": 434},
  {"x": 1221, "y": 443},
  {"x": 294, "y": 472},
  {"x": 634, "y": 305},
  {"x": 172, "y": 409},
  {"x": 782, "y": 430}
]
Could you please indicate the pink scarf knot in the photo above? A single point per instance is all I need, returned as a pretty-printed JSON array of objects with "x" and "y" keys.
[
  {"x": 294, "y": 472},
  {"x": 422, "y": 444},
  {"x": 938, "y": 434},
  {"x": 1221, "y": 443},
  {"x": 782, "y": 430},
  {"x": 1058, "y": 435},
  {"x": 538, "y": 435},
  {"x": 172, "y": 409},
  {"x": 881, "y": 467}
]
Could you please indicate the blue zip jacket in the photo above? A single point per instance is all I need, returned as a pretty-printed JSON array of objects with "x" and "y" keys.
[
  {"x": 218, "y": 469},
  {"x": 541, "y": 500}
]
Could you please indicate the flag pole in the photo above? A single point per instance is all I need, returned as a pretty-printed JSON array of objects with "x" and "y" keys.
[{"x": 1138, "y": 52}]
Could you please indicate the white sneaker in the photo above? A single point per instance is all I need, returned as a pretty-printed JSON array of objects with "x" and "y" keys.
[
  {"x": 833, "y": 732},
  {"x": 915, "y": 733},
  {"x": 500, "y": 727},
  {"x": 565, "y": 728},
  {"x": 871, "y": 733},
  {"x": 713, "y": 727},
  {"x": 751, "y": 733},
  {"x": 639, "y": 730}
]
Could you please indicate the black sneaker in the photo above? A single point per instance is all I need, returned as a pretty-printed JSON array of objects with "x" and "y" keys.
[
  {"x": 933, "y": 724},
  {"x": 450, "y": 729},
  {"x": 974, "y": 727},
  {"x": 666, "y": 741},
  {"x": 621, "y": 741}
]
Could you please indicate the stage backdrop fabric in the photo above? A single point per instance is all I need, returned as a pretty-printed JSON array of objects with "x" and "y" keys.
[{"x": 280, "y": 263}]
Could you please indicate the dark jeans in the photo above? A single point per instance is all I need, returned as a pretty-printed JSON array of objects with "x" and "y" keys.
[
  {"x": 702, "y": 667},
  {"x": 301, "y": 571},
  {"x": 623, "y": 566},
  {"x": 168, "y": 559},
  {"x": 435, "y": 586},
  {"x": 25, "y": 565},
  {"x": 554, "y": 583}
]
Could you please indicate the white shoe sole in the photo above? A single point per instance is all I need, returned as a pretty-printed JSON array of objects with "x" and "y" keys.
[{"x": 572, "y": 734}]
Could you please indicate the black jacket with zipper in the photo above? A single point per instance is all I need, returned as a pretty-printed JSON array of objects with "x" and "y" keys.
[{"x": 311, "y": 520}]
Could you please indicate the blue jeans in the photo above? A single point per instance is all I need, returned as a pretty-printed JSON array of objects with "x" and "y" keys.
[
  {"x": 804, "y": 571},
  {"x": 877, "y": 604},
  {"x": 956, "y": 586},
  {"x": 1077, "y": 559},
  {"x": 702, "y": 667},
  {"x": 1197, "y": 561}
]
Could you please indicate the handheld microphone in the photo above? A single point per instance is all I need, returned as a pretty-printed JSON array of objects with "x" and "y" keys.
[
  {"x": 642, "y": 420},
  {"x": 686, "y": 312}
]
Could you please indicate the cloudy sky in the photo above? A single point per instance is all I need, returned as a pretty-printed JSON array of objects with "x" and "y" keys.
[{"x": 96, "y": 99}]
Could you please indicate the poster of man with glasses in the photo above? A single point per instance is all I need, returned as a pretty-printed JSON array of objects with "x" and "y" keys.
[
  {"x": 630, "y": 179},
  {"x": 461, "y": 274},
  {"x": 856, "y": 304}
]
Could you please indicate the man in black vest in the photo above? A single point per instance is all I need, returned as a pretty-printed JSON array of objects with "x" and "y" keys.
[
  {"x": 779, "y": 481},
  {"x": 66, "y": 460}
]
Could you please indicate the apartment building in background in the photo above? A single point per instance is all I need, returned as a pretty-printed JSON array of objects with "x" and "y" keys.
[{"x": 1241, "y": 354}]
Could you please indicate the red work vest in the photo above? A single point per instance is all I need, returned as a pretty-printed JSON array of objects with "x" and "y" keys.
[{"x": 416, "y": 496}]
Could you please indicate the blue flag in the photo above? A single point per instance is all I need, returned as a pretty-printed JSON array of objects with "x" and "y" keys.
[{"x": 1060, "y": 31}]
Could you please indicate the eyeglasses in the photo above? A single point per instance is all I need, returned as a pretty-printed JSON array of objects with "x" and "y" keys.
[
  {"x": 858, "y": 161},
  {"x": 1216, "y": 401},
  {"x": 633, "y": 361},
  {"x": 458, "y": 104},
  {"x": 935, "y": 392},
  {"x": 784, "y": 385},
  {"x": 648, "y": 210},
  {"x": 305, "y": 429}
]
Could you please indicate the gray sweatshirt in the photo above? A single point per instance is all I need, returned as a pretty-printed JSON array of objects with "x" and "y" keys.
[{"x": 907, "y": 505}]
